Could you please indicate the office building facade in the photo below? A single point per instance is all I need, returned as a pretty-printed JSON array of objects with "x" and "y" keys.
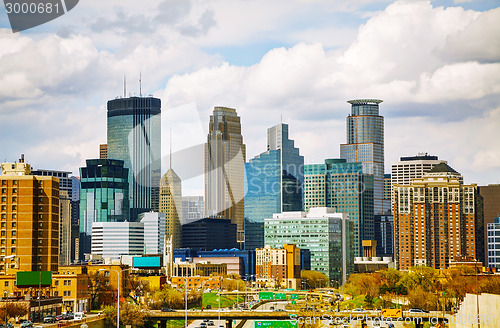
[
  {"x": 384, "y": 235},
  {"x": 491, "y": 207},
  {"x": 69, "y": 188},
  {"x": 134, "y": 136},
  {"x": 209, "y": 233},
  {"x": 114, "y": 239},
  {"x": 103, "y": 197},
  {"x": 346, "y": 188},
  {"x": 437, "y": 220},
  {"x": 29, "y": 217},
  {"x": 493, "y": 231},
  {"x": 328, "y": 236},
  {"x": 193, "y": 208},
  {"x": 171, "y": 205},
  {"x": 365, "y": 144},
  {"x": 154, "y": 232},
  {"x": 225, "y": 156},
  {"x": 278, "y": 266},
  {"x": 274, "y": 184}
]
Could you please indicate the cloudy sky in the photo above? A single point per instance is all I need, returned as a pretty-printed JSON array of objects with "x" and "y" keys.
[{"x": 436, "y": 65}]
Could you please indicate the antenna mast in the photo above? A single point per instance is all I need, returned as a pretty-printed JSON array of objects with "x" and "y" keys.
[
  {"x": 140, "y": 84},
  {"x": 124, "y": 86},
  {"x": 170, "y": 157}
]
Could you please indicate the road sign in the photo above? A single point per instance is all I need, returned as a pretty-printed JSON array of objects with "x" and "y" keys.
[
  {"x": 275, "y": 324},
  {"x": 266, "y": 295},
  {"x": 294, "y": 296},
  {"x": 280, "y": 296}
]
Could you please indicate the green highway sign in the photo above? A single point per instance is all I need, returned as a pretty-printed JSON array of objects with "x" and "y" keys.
[
  {"x": 294, "y": 296},
  {"x": 275, "y": 324},
  {"x": 266, "y": 295},
  {"x": 280, "y": 296}
]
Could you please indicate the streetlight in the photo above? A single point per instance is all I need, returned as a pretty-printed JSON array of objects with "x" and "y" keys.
[{"x": 118, "y": 294}]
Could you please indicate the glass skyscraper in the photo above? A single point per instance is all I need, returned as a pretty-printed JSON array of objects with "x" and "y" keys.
[
  {"x": 343, "y": 186},
  {"x": 224, "y": 168},
  {"x": 365, "y": 144},
  {"x": 274, "y": 182},
  {"x": 134, "y": 136},
  {"x": 103, "y": 197}
]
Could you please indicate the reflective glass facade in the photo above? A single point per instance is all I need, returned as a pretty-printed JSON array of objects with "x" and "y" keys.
[
  {"x": 224, "y": 168},
  {"x": 134, "y": 136},
  {"x": 103, "y": 197},
  {"x": 494, "y": 243},
  {"x": 274, "y": 181},
  {"x": 365, "y": 144},
  {"x": 343, "y": 186}
]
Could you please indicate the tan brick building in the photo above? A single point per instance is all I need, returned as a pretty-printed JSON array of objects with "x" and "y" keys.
[
  {"x": 278, "y": 266},
  {"x": 437, "y": 220},
  {"x": 29, "y": 220}
]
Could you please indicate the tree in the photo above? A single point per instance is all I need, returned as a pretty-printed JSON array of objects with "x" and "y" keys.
[
  {"x": 98, "y": 287},
  {"x": 418, "y": 297},
  {"x": 131, "y": 314},
  {"x": 109, "y": 316},
  {"x": 315, "y": 279},
  {"x": 12, "y": 310}
]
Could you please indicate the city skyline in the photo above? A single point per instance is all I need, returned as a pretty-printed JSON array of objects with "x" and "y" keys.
[{"x": 434, "y": 63}]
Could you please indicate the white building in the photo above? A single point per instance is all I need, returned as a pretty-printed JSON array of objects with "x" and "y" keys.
[
  {"x": 193, "y": 208},
  {"x": 325, "y": 233},
  {"x": 154, "y": 232},
  {"x": 494, "y": 243},
  {"x": 113, "y": 239}
]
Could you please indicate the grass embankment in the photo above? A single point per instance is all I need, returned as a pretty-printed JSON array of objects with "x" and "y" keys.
[{"x": 212, "y": 299}]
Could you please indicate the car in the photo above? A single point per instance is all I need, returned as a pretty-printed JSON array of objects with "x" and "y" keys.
[
  {"x": 203, "y": 325},
  {"x": 49, "y": 319},
  {"x": 211, "y": 323},
  {"x": 359, "y": 310},
  {"x": 26, "y": 324},
  {"x": 417, "y": 310},
  {"x": 208, "y": 307},
  {"x": 7, "y": 325},
  {"x": 59, "y": 317},
  {"x": 167, "y": 310}
]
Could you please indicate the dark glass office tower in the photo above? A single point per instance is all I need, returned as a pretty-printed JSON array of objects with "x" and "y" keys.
[
  {"x": 134, "y": 136},
  {"x": 103, "y": 197},
  {"x": 274, "y": 181},
  {"x": 365, "y": 144}
]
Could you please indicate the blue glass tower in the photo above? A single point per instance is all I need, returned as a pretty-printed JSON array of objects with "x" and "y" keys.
[
  {"x": 343, "y": 186},
  {"x": 274, "y": 182},
  {"x": 103, "y": 197},
  {"x": 134, "y": 136}
]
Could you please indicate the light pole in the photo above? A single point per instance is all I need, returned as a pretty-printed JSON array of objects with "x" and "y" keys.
[
  {"x": 118, "y": 294},
  {"x": 186, "y": 302},
  {"x": 218, "y": 321}
]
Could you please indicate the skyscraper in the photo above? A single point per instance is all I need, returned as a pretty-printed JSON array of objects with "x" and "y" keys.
[
  {"x": 437, "y": 220},
  {"x": 171, "y": 205},
  {"x": 491, "y": 207},
  {"x": 134, "y": 136},
  {"x": 412, "y": 167},
  {"x": 193, "y": 208},
  {"x": 103, "y": 197},
  {"x": 224, "y": 168},
  {"x": 343, "y": 186},
  {"x": 29, "y": 212},
  {"x": 274, "y": 181},
  {"x": 365, "y": 144}
]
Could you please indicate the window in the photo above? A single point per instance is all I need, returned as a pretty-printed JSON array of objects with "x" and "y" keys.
[
  {"x": 12, "y": 250},
  {"x": 14, "y": 224},
  {"x": 4, "y": 199},
  {"x": 14, "y": 190},
  {"x": 40, "y": 224},
  {"x": 40, "y": 233},
  {"x": 13, "y": 241},
  {"x": 6, "y": 284},
  {"x": 3, "y": 224},
  {"x": 14, "y": 233},
  {"x": 2, "y": 233},
  {"x": 4, "y": 216},
  {"x": 4, "y": 190},
  {"x": 40, "y": 250},
  {"x": 14, "y": 182},
  {"x": 14, "y": 199},
  {"x": 14, "y": 215},
  {"x": 40, "y": 241},
  {"x": 4, "y": 182},
  {"x": 4, "y": 207},
  {"x": 67, "y": 293},
  {"x": 14, "y": 207},
  {"x": 56, "y": 283}
]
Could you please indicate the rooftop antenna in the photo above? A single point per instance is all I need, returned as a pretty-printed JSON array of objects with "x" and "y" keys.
[
  {"x": 124, "y": 86},
  {"x": 170, "y": 157},
  {"x": 140, "y": 84}
]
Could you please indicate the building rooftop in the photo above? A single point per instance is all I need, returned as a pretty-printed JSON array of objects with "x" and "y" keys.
[{"x": 442, "y": 168}]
